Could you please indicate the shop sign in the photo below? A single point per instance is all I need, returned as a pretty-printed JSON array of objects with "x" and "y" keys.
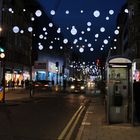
[
  {"x": 51, "y": 67},
  {"x": 40, "y": 65}
]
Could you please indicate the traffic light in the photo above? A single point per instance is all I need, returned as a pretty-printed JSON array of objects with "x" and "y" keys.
[{"x": 2, "y": 52}]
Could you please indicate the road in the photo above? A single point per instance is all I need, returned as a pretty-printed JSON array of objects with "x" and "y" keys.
[{"x": 40, "y": 119}]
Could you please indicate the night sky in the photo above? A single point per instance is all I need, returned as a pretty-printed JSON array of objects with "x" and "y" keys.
[{"x": 79, "y": 14}]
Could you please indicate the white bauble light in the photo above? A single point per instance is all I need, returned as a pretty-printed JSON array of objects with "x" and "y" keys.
[
  {"x": 52, "y": 12},
  {"x": 15, "y": 29},
  {"x": 96, "y": 13},
  {"x": 81, "y": 50},
  {"x": 73, "y": 30},
  {"x": 38, "y": 13}
]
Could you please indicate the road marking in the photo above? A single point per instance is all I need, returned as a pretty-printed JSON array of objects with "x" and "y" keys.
[
  {"x": 68, "y": 137},
  {"x": 65, "y": 130},
  {"x": 86, "y": 123}
]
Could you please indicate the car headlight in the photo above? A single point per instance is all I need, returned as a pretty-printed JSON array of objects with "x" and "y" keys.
[
  {"x": 82, "y": 87},
  {"x": 72, "y": 87}
]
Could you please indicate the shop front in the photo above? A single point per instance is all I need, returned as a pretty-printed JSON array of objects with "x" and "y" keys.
[
  {"x": 40, "y": 71},
  {"x": 136, "y": 70}
]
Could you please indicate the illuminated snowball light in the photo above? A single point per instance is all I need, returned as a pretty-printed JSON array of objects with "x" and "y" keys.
[
  {"x": 85, "y": 40},
  {"x": 118, "y": 27},
  {"x": 89, "y": 45},
  {"x": 88, "y": 23},
  {"x": 116, "y": 32},
  {"x": 71, "y": 47},
  {"x": 10, "y": 9},
  {"x": 21, "y": 31},
  {"x": 46, "y": 33},
  {"x": 96, "y": 35},
  {"x": 38, "y": 13},
  {"x": 88, "y": 29},
  {"x": 101, "y": 49},
  {"x": 67, "y": 28},
  {"x": 58, "y": 30},
  {"x": 81, "y": 11},
  {"x": 33, "y": 34},
  {"x": 51, "y": 42},
  {"x": 115, "y": 47},
  {"x": 95, "y": 39},
  {"x": 107, "y": 18},
  {"x": 40, "y": 47},
  {"x": 91, "y": 49},
  {"x": 96, "y": 13},
  {"x": 39, "y": 43},
  {"x": 115, "y": 39},
  {"x": 51, "y": 47},
  {"x": 44, "y": 29},
  {"x": 82, "y": 32},
  {"x": 32, "y": 18},
  {"x": 67, "y": 12},
  {"x": 73, "y": 30},
  {"x": 50, "y": 24},
  {"x": 81, "y": 50},
  {"x": 41, "y": 36},
  {"x": 45, "y": 38},
  {"x": 30, "y": 29},
  {"x": 52, "y": 12},
  {"x": 80, "y": 38},
  {"x": 65, "y": 41},
  {"x": 126, "y": 11},
  {"x": 108, "y": 36},
  {"x": 111, "y": 12},
  {"x": 75, "y": 41},
  {"x": 61, "y": 47},
  {"x": 24, "y": 10},
  {"x": 105, "y": 41},
  {"x": 102, "y": 29},
  {"x": 15, "y": 29}
]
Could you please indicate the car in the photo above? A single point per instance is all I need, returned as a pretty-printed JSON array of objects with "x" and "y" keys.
[
  {"x": 41, "y": 85},
  {"x": 77, "y": 87}
]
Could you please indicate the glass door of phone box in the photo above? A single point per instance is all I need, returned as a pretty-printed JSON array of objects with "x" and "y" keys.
[{"x": 119, "y": 95}]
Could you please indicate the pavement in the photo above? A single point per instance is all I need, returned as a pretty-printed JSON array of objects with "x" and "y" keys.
[{"x": 93, "y": 126}]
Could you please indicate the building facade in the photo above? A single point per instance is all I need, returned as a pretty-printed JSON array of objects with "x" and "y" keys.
[{"x": 17, "y": 46}]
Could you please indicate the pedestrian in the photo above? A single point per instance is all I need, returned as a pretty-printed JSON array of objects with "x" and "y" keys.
[
  {"x": 13, "y": 85},
  {"x": 17, "y": 82},
  {"x": 22, "y": 83},
  {"x": 27, "y": 83}
]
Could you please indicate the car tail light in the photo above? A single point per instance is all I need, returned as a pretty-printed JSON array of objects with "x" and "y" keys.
[
  {"x": 36, "y": 85},
  {"x": 46, "y": 85}
]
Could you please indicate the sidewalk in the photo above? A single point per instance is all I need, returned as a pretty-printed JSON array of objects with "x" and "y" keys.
[
  {"x": 24, "y": 94},
  {"x": 94, "y": 127},
  {"x": 18, "y": 93}
]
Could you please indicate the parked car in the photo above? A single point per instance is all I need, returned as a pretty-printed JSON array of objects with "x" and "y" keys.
[
  {"x": 41, "y": 85},
  {"x": 77, "y": 87}
]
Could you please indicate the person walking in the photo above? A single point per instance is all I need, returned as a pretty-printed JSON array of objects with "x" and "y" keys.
[
  {"x": 22, "y": 83},
  {"x": 13, "y": 85},
  {"x": 17, "y": 82}
]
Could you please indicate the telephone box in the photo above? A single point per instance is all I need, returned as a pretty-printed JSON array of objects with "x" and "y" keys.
[{"x": 119, "y": 90}]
